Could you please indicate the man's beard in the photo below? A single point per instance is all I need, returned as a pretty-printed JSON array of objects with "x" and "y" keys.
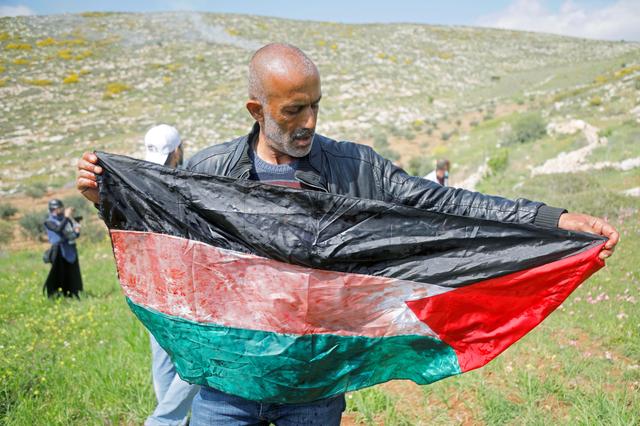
[{"x": 284, "y": 142}]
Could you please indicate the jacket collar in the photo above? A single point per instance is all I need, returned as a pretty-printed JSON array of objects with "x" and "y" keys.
[{"x": 309, "y": 167}]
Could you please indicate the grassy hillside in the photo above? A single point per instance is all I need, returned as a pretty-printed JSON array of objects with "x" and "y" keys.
[
  {"x": 519, "y": 114},
  {"x": 75, "y": 82}
]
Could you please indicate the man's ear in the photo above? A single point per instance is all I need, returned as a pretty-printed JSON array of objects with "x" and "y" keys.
[{"x": 255, "y": 109}]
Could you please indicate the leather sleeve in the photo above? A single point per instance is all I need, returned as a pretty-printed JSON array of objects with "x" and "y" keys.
[{"x": 417, "y": 192}]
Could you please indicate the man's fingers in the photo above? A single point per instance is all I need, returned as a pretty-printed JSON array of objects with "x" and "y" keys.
[
  {"x": 605, "y": 254},
  {"x": 87, "y": 175},
  {"x": 84, "y": 183},
  {"x": 614, "y": 237},
  {"x": 84, "y": 164},
  {"x": 90, "y": 157}
]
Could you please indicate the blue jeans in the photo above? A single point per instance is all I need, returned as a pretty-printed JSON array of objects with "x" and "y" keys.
[
  {"x": 212, "y": 407},
  {"x": 174, "y": 395}
]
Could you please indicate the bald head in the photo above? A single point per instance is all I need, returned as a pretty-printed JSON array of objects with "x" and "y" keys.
[{"x": 277, "y": 62}]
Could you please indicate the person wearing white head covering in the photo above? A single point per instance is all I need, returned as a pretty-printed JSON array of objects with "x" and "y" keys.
[
  {"x": 164, "y": 146},
  {"x": 441, "y": 173}
]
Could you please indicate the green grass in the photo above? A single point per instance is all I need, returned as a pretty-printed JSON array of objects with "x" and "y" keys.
[
  {"x": 623, "y": 143},
  {"x": 67, "y": 361}
]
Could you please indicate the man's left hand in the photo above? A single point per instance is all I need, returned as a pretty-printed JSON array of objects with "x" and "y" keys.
[{"x": 593, "y": 225}]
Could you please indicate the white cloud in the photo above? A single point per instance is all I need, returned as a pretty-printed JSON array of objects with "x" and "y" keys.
[
  {"x": 617, "y": 21},
  {"x": 18, "y": 10}
]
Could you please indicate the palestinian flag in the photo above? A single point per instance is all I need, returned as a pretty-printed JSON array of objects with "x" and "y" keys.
[{"x": 285, "y": 295}]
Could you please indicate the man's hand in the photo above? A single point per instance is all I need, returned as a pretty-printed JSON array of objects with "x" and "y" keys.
[
  {"x": 593, "y": 225},
  {"x": 68, "y": 212},
  {"x": 86, "y": 178}
]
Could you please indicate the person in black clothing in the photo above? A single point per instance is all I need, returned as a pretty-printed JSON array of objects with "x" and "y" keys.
[{"x": 64, "y": 277}]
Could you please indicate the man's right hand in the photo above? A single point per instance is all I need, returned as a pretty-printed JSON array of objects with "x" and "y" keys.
[{"x": 86, "y": 179}]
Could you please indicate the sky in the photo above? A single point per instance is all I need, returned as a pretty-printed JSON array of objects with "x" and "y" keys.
[{"x": 596, "y": 19}]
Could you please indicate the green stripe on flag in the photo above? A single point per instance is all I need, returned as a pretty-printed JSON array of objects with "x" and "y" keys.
[{"x": 284, "y": 368}]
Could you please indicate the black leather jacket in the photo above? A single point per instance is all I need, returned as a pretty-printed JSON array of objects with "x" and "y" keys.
[{"x": 357, "y": 170}]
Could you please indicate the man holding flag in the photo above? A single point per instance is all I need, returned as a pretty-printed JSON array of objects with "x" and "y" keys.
[{"x": 283, "y": 149}]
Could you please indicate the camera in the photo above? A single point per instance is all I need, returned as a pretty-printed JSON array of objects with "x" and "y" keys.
[{"x": 77, "y": 218}]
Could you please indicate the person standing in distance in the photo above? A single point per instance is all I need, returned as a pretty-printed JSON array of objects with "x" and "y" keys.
[
  {"x": 62, "y": 230},
  {"x": 441, "y": 173},
  {"x": 164, "y": 146}
]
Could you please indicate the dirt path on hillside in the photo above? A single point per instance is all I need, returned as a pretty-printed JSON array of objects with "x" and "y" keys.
[
  {"x": 573, "y": 161},
  {"x": 566, "y": 162},
  {"x": 576, "y": 161}
]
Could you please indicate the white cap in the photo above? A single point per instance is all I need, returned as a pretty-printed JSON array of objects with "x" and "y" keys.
[{"x": 160, "y": 141}]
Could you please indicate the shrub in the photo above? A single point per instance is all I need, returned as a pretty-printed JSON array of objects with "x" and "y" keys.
[
  {"x": 21, "y": 61},
  {"x": 498, "y": 162},
  {"x": 380, "y": 141},
  {"x": 6, "y": 233},
  {"x": 7, "y": 210},
  {"x": 113, "y": 89},
  {"x": 49, "y": 41},
  {"x": 83, "y": 55},
  {"x": 600, "y": 79},
  {"x": 82, "y": 206},
  {"x": 1, "y": 69},
  {"x": 381, "y": 145},
  {"x": 93, "y": 231},
  {"x": 71, "y": 79},
  {"x": 417, "y": 124},
  {"x": 65, "y": 54},
  {"x": 419, "y": 166},
  {"x": 232, "y": 32},
  {"x": 605, "y": 133},
  {"x": 3, "y": 81},
  {"x": 389, "y": 154},
  {"x": 595, "y": 101},
  {"x": 39, "y": 82},
  {"x": 72, "y": 42},
  {"x": 18, "y": 46},
  {"x": 37, "y": 190},
  {"x": 32, "y": 224},
  {"x": 529, "y": 127},
  {"x": 95, "y": 14}
]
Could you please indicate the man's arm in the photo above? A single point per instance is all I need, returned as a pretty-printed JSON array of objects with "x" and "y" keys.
[
  {"x": 57, "y": 228},
  {"x": 417, "y": 192}
]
